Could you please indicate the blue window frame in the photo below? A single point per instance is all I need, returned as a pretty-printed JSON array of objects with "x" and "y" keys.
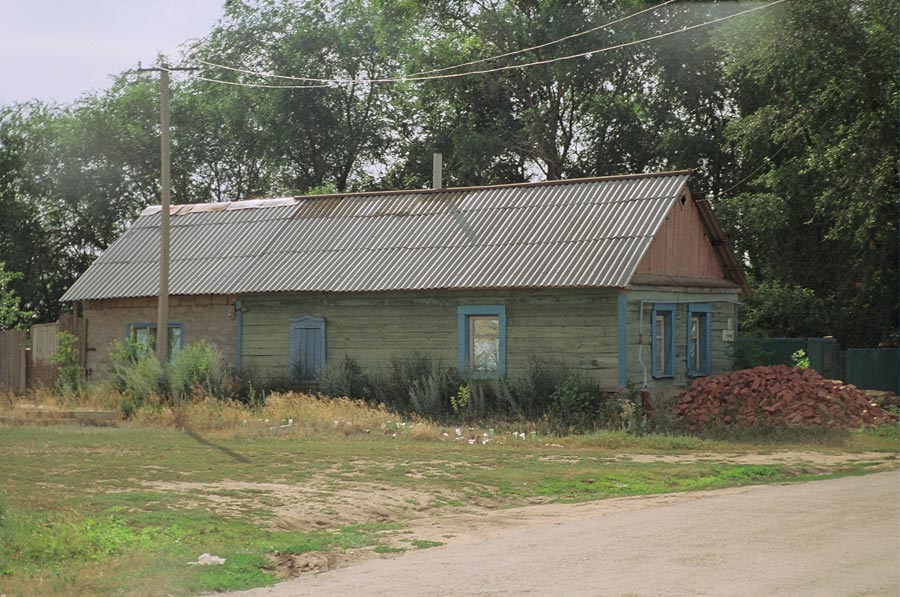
[
  {"x": 307, "y": 347},
  {"x": 144, "y": 335},
  {"x": 698, "y": 340},
  {"x": 662, "y": 333},
  {"x": 481, "y": 340}
]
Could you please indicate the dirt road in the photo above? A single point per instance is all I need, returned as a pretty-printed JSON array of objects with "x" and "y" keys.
[{"x": 836, "y": 537}]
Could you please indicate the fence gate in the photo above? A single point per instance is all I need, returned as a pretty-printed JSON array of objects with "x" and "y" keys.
[
  {"x": 824, "y": 356},
  {"x": 44, "y": 342},
  {"x": 13, "y": 364}
]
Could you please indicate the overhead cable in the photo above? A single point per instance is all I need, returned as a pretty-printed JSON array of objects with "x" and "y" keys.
[{"x": 324, "y": 82}]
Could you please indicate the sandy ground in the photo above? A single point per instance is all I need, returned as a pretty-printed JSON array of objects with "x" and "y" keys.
[{"x": 836, "y": 537}]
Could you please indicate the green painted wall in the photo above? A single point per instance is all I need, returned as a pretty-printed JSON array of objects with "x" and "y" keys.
[
  {"x": 573, "y": 326},
  {"x": 639, "y": 335}
]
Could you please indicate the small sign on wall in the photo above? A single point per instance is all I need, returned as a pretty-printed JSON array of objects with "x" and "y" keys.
[{"x": 728, "y": 332}]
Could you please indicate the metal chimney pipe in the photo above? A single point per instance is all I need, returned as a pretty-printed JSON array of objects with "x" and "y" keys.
[{"x": 437, "y": 171}]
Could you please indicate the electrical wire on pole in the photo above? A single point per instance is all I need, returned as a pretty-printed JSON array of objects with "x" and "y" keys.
[{"x": 162, "y": 316}]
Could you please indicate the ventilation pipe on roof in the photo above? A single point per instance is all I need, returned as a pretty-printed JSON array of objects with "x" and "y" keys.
[{"x": 437, "y": 171}]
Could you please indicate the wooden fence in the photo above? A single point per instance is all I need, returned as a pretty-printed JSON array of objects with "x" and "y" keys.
[
  {"x": 22, "y": 367},
  {"x": 44, "y": 342},
  {"x": 13, "y": 361}
]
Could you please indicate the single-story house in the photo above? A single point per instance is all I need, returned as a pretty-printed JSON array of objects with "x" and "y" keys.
[{"x": 628, "y": 279}]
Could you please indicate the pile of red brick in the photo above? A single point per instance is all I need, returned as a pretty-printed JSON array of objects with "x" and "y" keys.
[{"x": 777, "y": 397}]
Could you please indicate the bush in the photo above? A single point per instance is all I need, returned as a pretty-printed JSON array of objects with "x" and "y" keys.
[
  {"x": 530, "y": 394},
  {"x": 66, "y": 356},
  {"x": 141, "y": 381},
  {"x": 344, "y": 378},
  {"x": 198, "y": 365},
  {"x": 578, "y": 405},
  {"x": 415, "y": 383},
  {"x": 139, "y": 376},
  {"x": 123, "y": 356}
]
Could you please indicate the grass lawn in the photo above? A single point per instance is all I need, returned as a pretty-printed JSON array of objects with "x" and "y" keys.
[{"x": 124, "y": 510}]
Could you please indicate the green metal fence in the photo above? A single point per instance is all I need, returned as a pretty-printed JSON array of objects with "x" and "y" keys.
[
  {"x": 824, "y": 356},
  {"x": 873, "y": 368},
  {"x": 751, "y": 352},
  {"x": 866, "y": 368}
]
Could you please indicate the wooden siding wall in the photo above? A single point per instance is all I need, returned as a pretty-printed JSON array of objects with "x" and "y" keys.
[
  {"x": 206, "y": 317},
  {"x": 681, "y": 247},
  {"x": 721, "y": 352},
  {"x": 575, "y": 327}
]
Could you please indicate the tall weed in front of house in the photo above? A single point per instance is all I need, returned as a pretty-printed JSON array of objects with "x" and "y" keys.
[
  {"x": 579, "y": 405},
  {"x": 199, "y": 366},
  {"x": 137, "y": 375},
  {"x": 67, "y": 358},
  {"x": 413, "y": 383},
  {"x": 545, "y": 394},
  {"x": 344, "y": 377},
  {"x": 144, "y": 382}
]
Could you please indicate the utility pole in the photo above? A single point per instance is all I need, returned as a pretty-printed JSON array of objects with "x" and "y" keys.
[{"x": 162, "y": 315}]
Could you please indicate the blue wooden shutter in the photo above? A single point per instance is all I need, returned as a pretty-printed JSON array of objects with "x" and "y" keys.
[{"x": 307, "y": 347}]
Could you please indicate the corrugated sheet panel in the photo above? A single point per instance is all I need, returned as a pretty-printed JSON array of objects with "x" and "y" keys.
[{"x": 587, "y": 233}]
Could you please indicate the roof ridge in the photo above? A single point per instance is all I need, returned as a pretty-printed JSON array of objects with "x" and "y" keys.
[
  {"x": 507, "y": 185},
  {"x": 280, "y": 201}
]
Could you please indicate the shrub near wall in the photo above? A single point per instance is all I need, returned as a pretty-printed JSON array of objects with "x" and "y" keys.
[
  {"x": 137, "y": 374},
  {"x": 546, "y": 393}
]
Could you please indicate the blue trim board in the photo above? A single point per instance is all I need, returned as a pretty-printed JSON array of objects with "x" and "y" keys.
[
  {"x": 238, "y": 333},
  {"x": 622, "y": 337},
  {"x": 462, "y": 335},
  {"x": 667, "y": 310},
  {"x": 152, "y": 324},
  {"x": 699, "y": 309}
]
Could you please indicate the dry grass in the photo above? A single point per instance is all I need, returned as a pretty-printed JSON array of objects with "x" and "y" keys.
[{"x": 294, "y": 413}]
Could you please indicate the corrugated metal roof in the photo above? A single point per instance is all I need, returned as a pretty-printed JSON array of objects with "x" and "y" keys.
[{"x": 581, "y": 233}]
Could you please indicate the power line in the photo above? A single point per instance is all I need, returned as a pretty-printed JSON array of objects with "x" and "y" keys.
[
  {"x": 544, "y": 45},
  {"x": 406, "y": 79},
  {"x": 259, "y": 85},
  {"x": 471, "y": 62}
]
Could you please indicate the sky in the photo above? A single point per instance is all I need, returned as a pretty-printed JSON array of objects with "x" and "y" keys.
[{"x": 57, "y": 50}]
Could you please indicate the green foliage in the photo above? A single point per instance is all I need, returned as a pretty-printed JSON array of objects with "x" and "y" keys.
[
  {"x": 198, "y": 367},
  {"x": 138, "y": 374},
  {"x": 414, "y": 383},
  {"x": 783, "y": 310},
  {"x": 814, "y": 86},
  {"x": 578, "y": 405},
  {"x": 12, "y": 315},
  {"x": 66, "y": 356},
  {"x": 800, "y": 162},
  {"x": 529, "y": 393},
  {"x": 428, "y": 392},
  {"x": 631, "y": 417},
  {"x": 459, "y": 402},
  {"x": 800, "y": 359},
  {"x": 54, "y": 538},
  {"x": 140, "y": 382}
]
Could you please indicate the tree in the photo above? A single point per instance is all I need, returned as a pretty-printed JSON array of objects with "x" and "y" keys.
[
  {"x": 814, "y": 85},
  {"x": 327, "y": 134},
  {"x": 12, "y": 315},
  {"x": 650, "y": 106}
]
